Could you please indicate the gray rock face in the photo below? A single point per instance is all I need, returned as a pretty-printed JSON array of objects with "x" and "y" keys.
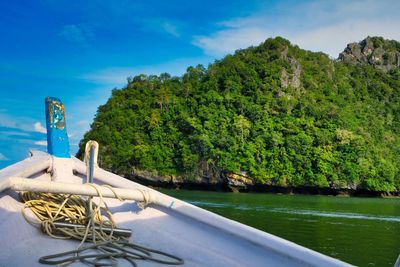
[
  {"x": 380, "y": 53},
  {"x": 284, "y": 78},
  {"x": 292, "y": 79},
  {"x": 296, "y": 67}
]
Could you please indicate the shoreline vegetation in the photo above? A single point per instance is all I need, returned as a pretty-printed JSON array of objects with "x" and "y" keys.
[
  {"x": 260, "y": 188},
  {"x": 272, "y": 118}
]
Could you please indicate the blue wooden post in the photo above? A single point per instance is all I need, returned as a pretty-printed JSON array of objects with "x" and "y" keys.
[{"x": 57, "y": 138}]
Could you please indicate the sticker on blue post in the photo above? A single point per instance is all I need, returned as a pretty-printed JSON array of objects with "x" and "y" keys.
[{"x": 57, "y": 138}]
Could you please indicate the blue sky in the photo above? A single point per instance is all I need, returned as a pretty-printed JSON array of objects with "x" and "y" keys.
[{"x": 80, "y": 50}]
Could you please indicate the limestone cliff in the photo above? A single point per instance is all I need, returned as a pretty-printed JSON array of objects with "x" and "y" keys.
[{"x": 380, "y": 53}]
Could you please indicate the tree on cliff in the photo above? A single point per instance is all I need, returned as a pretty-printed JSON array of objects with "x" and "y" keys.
[{"x": 284, "y": 115}]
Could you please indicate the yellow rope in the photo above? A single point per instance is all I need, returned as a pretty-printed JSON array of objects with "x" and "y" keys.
[
  {"x": 50, "y": 208},
  {"x": 106, "y": 249}
]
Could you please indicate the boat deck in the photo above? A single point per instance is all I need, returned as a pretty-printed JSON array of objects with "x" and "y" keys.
[{"x": 199, "y": 237}]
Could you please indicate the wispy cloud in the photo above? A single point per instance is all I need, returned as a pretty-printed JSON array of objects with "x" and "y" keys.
[
  {"x": 7, "y": 121},
  {"x": 77, "y": 33},
  {"x": 39, "y": 127},
  {"x": 41, "y": 143},
  {"x": 15, "y": 139},
  {"x": 117, "y": 76},
  {"x": 14, "y": 133},
  {"x": 227, "y": 41},
  {"x": 170, "y": 29},
  {"x": 2, "y": 157},
  {"x": 82, "y": 123},
  {"x": 161, "y": 25},
  {"x": 325, "y": 26},
  {"x": 16, "y": 122}
]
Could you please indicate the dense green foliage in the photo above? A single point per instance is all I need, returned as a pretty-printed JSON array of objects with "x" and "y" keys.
[{"x": 337, "y": 126}]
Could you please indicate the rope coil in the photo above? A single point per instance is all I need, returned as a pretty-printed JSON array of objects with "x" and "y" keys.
[
  {"x": 106, "y": 248},
  {"x": 50, "y": 208},
  {"x": 61, "y": 216}
]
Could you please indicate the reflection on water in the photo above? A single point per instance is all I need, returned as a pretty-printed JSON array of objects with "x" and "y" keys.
[{"x": 361, "y": 231}]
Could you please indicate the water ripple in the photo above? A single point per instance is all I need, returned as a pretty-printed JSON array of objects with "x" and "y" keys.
[
  {"x": 338, "y": 214},
  {"x": 318, "y": 213}
]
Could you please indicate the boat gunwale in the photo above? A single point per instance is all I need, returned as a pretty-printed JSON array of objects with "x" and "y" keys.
[{"x": 41, "y": 161}]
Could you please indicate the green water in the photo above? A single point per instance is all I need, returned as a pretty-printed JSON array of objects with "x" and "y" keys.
[{"x": 360, "y": 231}]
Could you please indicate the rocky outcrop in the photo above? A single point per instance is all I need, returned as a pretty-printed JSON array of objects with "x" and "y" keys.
[
  {"x": 205, "y": 179},
  {"x": 239, "y": 181},
  {"x": 296, "y": 68},
  {"x": 376, "y": 51},
  {"x": 292, "y": 79}
]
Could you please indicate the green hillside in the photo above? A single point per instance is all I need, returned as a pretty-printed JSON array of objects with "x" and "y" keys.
[{"x": 280, "y": 114}]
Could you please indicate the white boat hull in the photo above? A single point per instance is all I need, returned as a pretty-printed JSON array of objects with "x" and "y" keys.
[{"x": 200, "y": 237}]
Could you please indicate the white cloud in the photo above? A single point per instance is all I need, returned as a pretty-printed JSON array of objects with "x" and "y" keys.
[
  {"x": 41, "y": 143},
  {"x": 333, "y": 39},
  {"x": 39, "y": 127},
  {"x": 326, "y": 26},
  {"x": 2, "y": 157}
]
